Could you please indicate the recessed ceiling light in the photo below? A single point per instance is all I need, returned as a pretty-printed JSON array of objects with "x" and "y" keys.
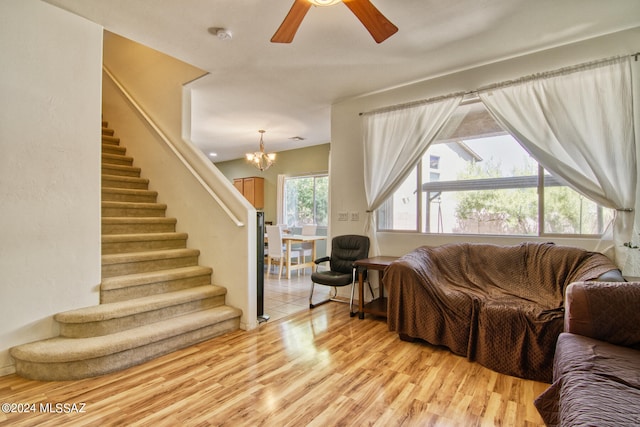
[{"x": 212, "y": 154}]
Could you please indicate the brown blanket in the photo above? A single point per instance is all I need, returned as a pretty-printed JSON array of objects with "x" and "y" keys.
[
  {"x": 596, "y": 384},
  {"x": 498, "y": 305}
]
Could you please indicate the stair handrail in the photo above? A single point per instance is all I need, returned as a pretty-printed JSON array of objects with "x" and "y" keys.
[{"x": 173, "y": 148}]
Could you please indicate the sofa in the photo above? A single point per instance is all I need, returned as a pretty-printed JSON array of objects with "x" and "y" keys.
[
  {"x": 596, "y": 373},
  {"x": 501, "y": 306}
]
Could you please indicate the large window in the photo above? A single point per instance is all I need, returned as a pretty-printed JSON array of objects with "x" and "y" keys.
[
  {"x": 306, "y": 200},
  {"x": 477, "y": 179}
]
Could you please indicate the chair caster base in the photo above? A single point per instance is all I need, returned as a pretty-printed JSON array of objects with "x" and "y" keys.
[{"x": 312, "y": 305}]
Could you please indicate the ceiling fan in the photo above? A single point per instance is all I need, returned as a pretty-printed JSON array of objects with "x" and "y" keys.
[{"x": 374, "y": 21}]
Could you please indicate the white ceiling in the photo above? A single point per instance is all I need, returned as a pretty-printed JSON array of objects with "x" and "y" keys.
[{"x": 287, "y": 89}]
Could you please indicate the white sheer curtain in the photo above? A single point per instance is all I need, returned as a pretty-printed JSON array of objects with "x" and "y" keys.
[
  {"x": 632, "y": 266},
  {"x": 394, "y": 141},
  {"x": 579, "y": 125}
]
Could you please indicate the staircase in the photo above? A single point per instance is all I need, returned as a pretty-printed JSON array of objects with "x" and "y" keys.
[{"x": 154, "y": 297}]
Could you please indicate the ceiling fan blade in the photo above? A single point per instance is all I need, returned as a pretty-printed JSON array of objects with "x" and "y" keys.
[
  {"x": 374, "y": 21},
  {"x": 291, "y": 22}
]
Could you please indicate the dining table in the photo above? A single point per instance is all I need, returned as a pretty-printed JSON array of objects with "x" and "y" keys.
[{"x": 289, "y": 239}]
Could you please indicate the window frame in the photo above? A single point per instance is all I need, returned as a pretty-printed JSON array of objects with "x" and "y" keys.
[
  {"x": 315, "y": 176},
  {"x": 541, "y": 181}
]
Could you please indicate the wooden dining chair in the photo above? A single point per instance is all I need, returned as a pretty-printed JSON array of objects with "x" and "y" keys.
[{"x": 306, "y": 248}]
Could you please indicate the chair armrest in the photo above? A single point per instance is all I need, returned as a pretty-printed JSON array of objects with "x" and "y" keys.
[
  {"x": 608, "y": 311},
  {"x": 321, "y": 260}
]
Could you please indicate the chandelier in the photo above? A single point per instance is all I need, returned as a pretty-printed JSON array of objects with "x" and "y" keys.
[
  {"x": 260, "y": 159},
  {"x": 324, "y": 2}
]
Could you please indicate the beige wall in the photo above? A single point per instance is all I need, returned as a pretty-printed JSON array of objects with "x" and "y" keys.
[
  {"x": 346, "y": 136},
  {"x": 290, "y": 163},
  {"x": 49, "y": 169}
]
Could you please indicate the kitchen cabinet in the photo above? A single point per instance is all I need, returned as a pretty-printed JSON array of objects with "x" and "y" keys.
[{"x": 252, "y": 188}]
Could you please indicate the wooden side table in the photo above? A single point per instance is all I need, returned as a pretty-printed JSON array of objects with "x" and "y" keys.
[{"x": 378, "y": 306}]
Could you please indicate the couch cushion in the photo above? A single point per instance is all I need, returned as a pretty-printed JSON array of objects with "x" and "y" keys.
[
  {"x": 595, "y": 383},
  {"x": 579, "y": 353},
  {"x": 605, "y": 311},
  {"x": 598, "y": 400}
]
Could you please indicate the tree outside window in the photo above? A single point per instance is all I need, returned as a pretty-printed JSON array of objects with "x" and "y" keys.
[{"x": 306, "y": 200}]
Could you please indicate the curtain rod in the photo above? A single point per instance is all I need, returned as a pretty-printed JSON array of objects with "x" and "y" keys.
[
  {"x": 473, "y": 94},
  {"x": 415, "y": 103}
]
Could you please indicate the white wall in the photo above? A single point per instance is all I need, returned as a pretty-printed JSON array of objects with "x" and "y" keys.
[
  {"x": 346, "y": 135},
  {"x": 155, "y": 81},
  {"x": 50, "y": 82}
]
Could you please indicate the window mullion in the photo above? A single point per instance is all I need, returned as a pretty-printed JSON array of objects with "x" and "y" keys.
[
  {"x": 315, "y": 202},
  {"x": 540, "y": 200}
]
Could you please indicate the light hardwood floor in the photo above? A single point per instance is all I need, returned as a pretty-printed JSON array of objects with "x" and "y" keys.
[{"x": 318, "y": 367}]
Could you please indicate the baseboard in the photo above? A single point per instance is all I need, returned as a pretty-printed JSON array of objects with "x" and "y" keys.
[{"x": 7, "y": 370}]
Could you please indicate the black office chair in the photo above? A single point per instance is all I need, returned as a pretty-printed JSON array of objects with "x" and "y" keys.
[{"x": 344, "y": 251}]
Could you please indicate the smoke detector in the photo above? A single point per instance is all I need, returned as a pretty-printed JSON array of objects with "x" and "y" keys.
[{"x": 220, "y": 33}]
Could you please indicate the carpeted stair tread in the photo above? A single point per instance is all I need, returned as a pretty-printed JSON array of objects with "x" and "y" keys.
[
  {"x": 138, "y": 220},
  {"x": 119, "y": 238},
  {"x": 113, "y": 149},
  {"x": 111, "y": 259},
  {"x": 59, "y": 349},
  {"x": 140, "y": 242},
  {"x": 109, "y": 139},
  {"x": 130, "y": 195},
  {"x": 116, "y": 159},
  {"x": 131, "y": 307},
  {"x": 137, "y": 285},
  {"x": 128, "y": 191},
  {"x": 134, "y": 209},
  {"x": 146, "y": 261},
  {"x": 131, "y": 224},
  {"x": 139, "y": 279},
  {"x": 121, "y": 170},
  {"x": 133, "y": 205},
  {"x": 118, "y": 181}
]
